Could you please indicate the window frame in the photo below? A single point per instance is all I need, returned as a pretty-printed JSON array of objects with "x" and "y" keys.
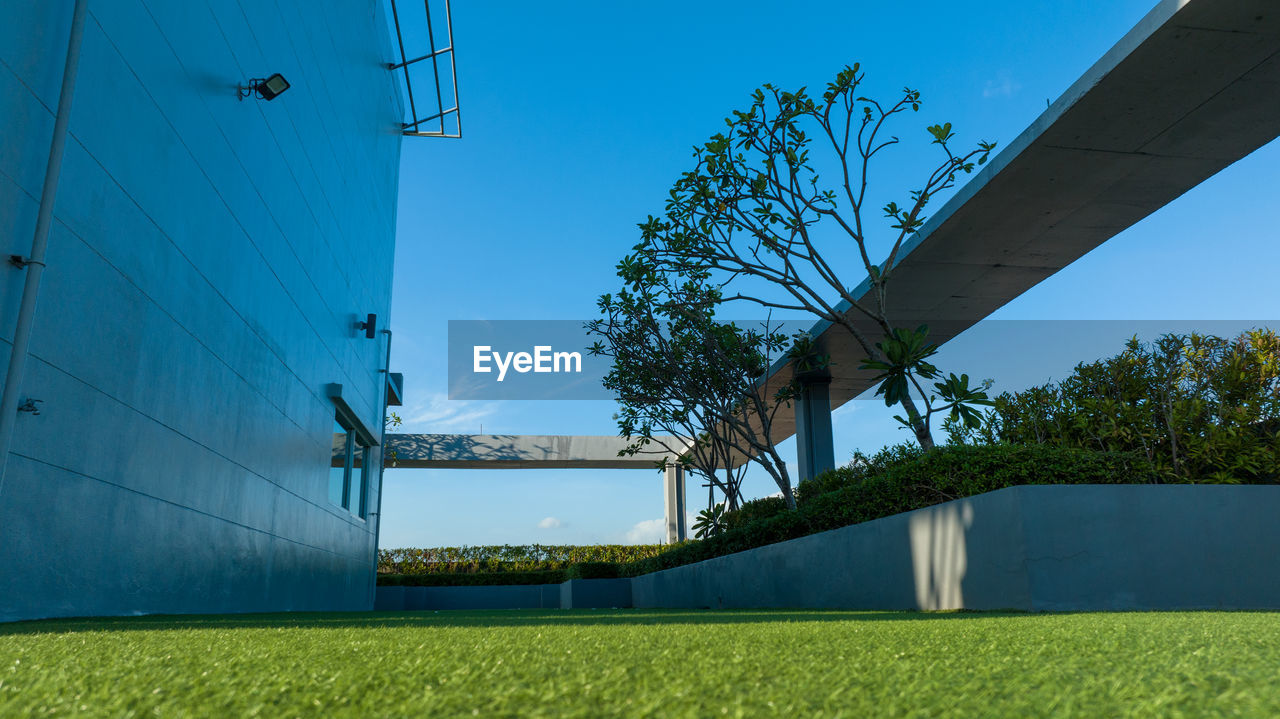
[{"x": 355, "y": 489}]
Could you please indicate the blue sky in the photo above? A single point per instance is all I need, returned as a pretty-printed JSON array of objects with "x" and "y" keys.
[{"x": 578, "y": 116}]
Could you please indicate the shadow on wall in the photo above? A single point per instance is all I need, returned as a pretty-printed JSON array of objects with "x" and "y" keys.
[{"x": 939, "y": 556}]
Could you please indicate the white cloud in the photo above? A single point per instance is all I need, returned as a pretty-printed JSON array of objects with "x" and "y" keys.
[
  {"x": 650, "y": 531},
  {"x": 550, "y": 523},
  {"x": 1002, "y": 86},
  {"x": 437, "y": 414}
]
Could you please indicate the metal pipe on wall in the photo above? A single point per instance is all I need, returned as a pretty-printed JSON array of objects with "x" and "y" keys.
[
  {"x": 35, "y": 262},
  {"x": 382, "y": 459}
]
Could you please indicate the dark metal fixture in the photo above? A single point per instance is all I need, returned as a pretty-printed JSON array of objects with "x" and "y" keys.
[{"x": 266, "y": 89}]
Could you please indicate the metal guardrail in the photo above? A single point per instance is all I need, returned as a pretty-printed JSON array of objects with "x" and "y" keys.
[{"x": 431, "y": 123}]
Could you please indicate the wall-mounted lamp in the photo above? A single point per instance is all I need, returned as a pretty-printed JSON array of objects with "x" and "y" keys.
[
  {"x": 268, "y": 89},
  {"x": 370, "y": 326}
]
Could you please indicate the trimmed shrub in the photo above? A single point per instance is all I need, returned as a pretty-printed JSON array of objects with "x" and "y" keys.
[
  {"x": 755, "y": 510},
  {"x": 1200, "y": 408},
  {"x": 858, "y": 469},
  {"x": 470, "y": 579},
  {"x": 506, "y": 558}
]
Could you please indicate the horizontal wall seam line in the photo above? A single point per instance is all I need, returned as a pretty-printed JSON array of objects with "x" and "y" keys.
[
  {"x": 311, "y": 210},
  {"x": 232, "y": 214},
  {"x": 162, "y": 309},
  {"x": 28, "y": 88},
  {"x": 185, "y": 436},
  {"x": 183, "y": 506},
  {"x": 257, "y": 190}
]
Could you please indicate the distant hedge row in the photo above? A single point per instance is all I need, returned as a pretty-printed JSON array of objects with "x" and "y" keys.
[
  {"x": 507, "y": 558},
  {"x": 585, "y": 570},
  {"x": 471, "y": 579}
]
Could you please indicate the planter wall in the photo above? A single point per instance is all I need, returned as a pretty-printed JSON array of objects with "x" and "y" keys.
[
  {"x": 1033, "y": 548},
  {"x": 515, "y": 596},
  {"x": 595, "y": 594}
]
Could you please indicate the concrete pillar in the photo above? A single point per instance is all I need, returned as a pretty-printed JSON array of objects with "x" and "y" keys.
[
  {"x": 673, "y": 494},
  {"x": 813, "y": 427}
]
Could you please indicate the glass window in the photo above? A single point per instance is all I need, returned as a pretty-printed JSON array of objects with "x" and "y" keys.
[
  {"x": 360, "y": 481},
  {"x": 340, "y": 466}
]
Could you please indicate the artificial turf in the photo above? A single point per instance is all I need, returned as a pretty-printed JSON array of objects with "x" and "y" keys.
[{"x": 647, "y": 663}]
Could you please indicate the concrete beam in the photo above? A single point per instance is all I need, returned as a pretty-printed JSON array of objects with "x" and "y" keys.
[
  {"x": 534, "y": 451},
  {"x": 518, "y": 451},
  {"x": 1194, "y": 87}
]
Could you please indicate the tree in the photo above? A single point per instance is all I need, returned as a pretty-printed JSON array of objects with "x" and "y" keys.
[
  {"x": 710, "y": 522},
  {"x": 687, "y": 383},
  {"x": 747, "y": 211}
]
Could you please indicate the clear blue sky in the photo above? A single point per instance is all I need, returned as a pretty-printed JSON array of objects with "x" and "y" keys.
[{"x": 579, "y": 115}]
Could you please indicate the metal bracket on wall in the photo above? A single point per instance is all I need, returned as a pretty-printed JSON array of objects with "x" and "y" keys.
[{"x": 430, "y": 121}]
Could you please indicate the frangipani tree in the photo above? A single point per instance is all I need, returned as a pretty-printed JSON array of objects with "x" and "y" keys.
[
  {"x": 745, "y": 217},
  {"x": 682, "y": 377}
]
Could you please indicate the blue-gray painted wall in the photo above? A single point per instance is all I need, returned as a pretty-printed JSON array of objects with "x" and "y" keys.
[
  {"x": 1035, "y": 548},
  {"x": 208, "y": 260},
  {"x": 573, "y": 594}
]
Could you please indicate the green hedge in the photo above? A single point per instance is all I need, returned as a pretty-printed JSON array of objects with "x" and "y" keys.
[
  {"x": 584, "y": 570},
  {"x": 911, "y": 480},
  {"x": 754, "y": 511},
  {"x": 506, "y": 558},
  {"x": 471, "y": 579},
  {"x": 1200, "y": 408}
]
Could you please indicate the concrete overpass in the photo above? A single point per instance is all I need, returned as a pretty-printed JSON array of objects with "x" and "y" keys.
[{"x": 535, "y": 451}]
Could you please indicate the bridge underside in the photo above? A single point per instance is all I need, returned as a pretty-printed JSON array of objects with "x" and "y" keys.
[{"x": 540, "y": 451}]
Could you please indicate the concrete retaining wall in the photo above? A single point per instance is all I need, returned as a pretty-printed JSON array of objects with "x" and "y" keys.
[
  {"x": 595, "y": 594},
  {"x": 573, "y": 594},
  {"x": 529, "y": 596},
  {"x": 1034, "y": 548},
  {"x": 1041, "y": 548}
]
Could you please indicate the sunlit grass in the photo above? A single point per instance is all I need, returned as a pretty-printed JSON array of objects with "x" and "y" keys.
[{"x": 636, "y": 663}]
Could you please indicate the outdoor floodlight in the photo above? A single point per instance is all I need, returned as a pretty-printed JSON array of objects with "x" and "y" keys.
[
  {"x": 370, "y": 326},
  {"x": 267, "y": 89}
]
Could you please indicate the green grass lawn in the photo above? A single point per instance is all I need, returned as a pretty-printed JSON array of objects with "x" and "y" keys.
[{"x": 636, "y": 663}]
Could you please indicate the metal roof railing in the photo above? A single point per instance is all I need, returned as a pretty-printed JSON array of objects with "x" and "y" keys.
[{"x": 431, "y": 121}]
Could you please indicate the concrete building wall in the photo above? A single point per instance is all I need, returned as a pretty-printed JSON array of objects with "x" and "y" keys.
[{"x": 208, "y": 260}]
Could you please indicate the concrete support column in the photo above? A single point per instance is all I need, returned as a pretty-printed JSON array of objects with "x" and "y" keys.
[
  {"x": 673, "y": 494},
  {"x": 814, "y": 445}
]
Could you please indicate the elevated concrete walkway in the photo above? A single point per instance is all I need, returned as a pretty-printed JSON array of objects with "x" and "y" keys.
[
  {"x": 518, "y": 451},
  {"x": 542, "y": 451}
]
